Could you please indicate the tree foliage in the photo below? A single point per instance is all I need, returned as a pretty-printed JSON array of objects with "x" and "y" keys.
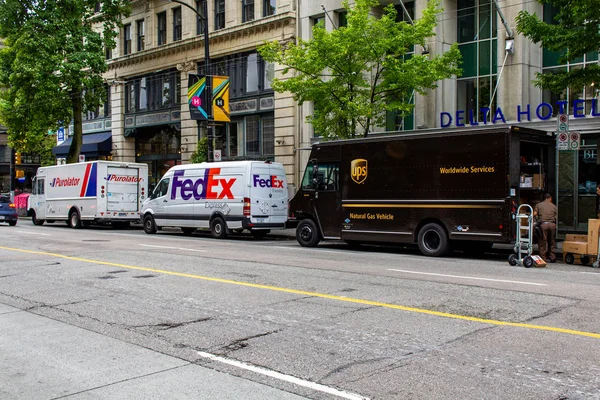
[
  {"x": 574, "y": 32},
  {"x": 355, "y": 73},
  {"x": 200, "y": 155},
  {"x": 51, "y": 70}
]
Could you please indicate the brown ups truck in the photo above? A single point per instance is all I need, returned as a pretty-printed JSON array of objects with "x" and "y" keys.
[{"x": 443, "y": 190}]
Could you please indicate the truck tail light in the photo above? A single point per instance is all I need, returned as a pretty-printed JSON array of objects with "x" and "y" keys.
[
  {"x": 12, "y": 205},
  {"x": 500, "y": 227},
  {"x": 246, "y": 207}
]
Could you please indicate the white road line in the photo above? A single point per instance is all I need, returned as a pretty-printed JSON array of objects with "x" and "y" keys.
[
  {"x": 467, "y": 277},
  {"x": 172, "y": 248},
  {"x": 34, "y": 233},
  {"x": 593, "y": 273},
  {"x": 283, "y": 377}
]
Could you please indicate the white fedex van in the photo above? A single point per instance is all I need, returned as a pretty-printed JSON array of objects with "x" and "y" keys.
[
  {"x": 221, "y": 196},
  {"x": 90, "y": 192}
]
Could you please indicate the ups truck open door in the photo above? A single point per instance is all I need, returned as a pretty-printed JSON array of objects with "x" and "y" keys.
[{"x": 440, "y": 189}]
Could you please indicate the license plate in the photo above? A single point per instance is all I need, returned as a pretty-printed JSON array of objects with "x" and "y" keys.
[
  {"x": 260, "y": 220},
  {"x": 122, "y": 214}
]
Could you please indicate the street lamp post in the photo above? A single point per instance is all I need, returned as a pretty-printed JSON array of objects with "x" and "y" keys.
[{"x": 210, "y": 135}]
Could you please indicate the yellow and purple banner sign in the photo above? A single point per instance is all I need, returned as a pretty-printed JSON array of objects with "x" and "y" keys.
[{"x": 220, "y": 98}]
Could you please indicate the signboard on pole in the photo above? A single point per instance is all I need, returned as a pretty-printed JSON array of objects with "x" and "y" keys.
[
  {"x": 562, "y": 141},
  {"x": 217, "y": 155},
  {"x": 562, "y": 123},
  {"x": 220, "y": 98},
  {"x": 198, "y": 97},
  {"x": 574, "y": 141},
  {"x": 60, "y": 135}
]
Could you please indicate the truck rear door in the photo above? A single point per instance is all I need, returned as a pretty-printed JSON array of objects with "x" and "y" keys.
[{"x": 122, "y": 189}]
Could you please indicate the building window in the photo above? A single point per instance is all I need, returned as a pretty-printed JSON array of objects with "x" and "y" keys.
[
  {"x": 247, "y": 10},
  {"x": 140, "y": 35},
  {"x": 200, "y": 19},
  {"x": 162, "y": 28},
  {"x": 98, "y": 7},
  {"x": 177, "y": 24},
  {"x": 252, "y": 76},
  {"x": 153, "y": 92},
  {"x": 342, "y": 18},
  {"x": 476, "y": 35},
  {"x": 551, "y": 65},
  {"x": 108, "y": 53},
  {"x": 127, "y": 39},
  {"x": 269, "y": 7},
  {"x": 219, "y": 14},
  {"x": 269, "y": 74}
]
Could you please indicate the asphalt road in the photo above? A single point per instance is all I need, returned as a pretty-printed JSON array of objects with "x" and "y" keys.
[{"x": 101, "y": 313}]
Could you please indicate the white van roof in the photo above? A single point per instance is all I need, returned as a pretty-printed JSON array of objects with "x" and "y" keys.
[{"x": 221, "y": 164}]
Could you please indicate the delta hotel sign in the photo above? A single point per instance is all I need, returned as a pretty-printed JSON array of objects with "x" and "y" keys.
[{"x": 543, "y": 111}]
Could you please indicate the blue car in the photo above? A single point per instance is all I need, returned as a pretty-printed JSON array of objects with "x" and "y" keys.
[{"x": 8, "y": 211}]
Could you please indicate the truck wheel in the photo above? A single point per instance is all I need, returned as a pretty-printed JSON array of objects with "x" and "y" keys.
[
  {"x": 585, "y": 260},
  {"x": 74, "y": 220},
  {"x": 12, "y": 223},
  {"x": 569, "y": 258},
  {"x": 433, "y": 241},
  {"x": 307, "y": 233},
  {"x": 218, "y": 229},
  {"x": 35, "y": 220},
  {"x": 149, "y": 225}
]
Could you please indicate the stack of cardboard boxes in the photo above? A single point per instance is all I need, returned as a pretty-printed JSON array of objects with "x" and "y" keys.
[{"x": 583, "y": 245}]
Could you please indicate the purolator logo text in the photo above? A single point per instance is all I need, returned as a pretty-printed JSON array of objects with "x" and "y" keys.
[
  {"x": 122, "y": 178},
  {"x": 207, "y": 187},
  {"x": 271, "y": 182},
  {"x": 60, "y": 182},
  {"x": 359, "y": 170}
]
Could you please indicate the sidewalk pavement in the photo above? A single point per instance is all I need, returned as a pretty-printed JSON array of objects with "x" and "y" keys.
[{"x": 46, "y": 359}]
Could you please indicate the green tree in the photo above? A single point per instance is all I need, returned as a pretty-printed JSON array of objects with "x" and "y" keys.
[
  {"x": 201, "y": 153},
  {"x": 51, "y": 68},
  {"x": 574, "y": 32},
  {"x": 356, "y": 72}
]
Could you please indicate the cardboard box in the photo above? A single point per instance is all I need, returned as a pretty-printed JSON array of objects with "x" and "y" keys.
[
  {"x": 538, "y": 262},
  {"x": 538, "y": 180},
  {"x": 576, "y": 238},
  {"x": 575, "y": 247},
  {"x": 526, "y": 181},
  {"x": 593, "y": 227}
]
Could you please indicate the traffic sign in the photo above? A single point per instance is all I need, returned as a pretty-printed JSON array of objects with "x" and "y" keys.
[
  {"x": 217, "y": 155},
  {"x": 562, "y": 141},
  {"x": 574, "y": 141},
  {"x": 562, "y": 123}
]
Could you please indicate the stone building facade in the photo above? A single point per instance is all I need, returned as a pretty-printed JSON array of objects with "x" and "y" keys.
[{"x": 161, "y": 42}]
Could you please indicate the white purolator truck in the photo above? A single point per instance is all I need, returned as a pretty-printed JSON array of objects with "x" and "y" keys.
[
  {"x": 221, "y": 196},
  {"x": 101, "y": 192}
]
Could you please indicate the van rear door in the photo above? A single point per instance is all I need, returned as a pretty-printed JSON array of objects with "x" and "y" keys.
[
  {"x": 268, "y": 193},
  {"x": 122, "y": 188}
]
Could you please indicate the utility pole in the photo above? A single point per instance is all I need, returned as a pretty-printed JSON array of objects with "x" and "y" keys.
[{"x": 209, "y": 129}]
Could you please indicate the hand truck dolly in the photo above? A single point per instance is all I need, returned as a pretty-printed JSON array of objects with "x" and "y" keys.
[{"x": 524, "y": 241}]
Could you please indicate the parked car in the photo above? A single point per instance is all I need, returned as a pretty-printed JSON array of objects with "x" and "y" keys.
[{"x": 8, "y": 211}]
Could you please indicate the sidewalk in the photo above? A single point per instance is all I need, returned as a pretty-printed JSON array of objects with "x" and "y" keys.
[{"x": 45, "y": 359}]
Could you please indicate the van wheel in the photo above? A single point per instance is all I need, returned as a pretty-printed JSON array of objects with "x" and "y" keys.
[
  {"x": 188, "y": 231},
  {"x": 307, "y": 233},
  {"x": 74, "y": 220},
  {"x": 218, "y": 229},
  {"x": 149, "y": 225},
  {"x": 433, "y": 240},
  {"x": 35, "y": 220}
]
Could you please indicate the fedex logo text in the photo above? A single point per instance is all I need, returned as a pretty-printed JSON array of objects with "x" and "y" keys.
[
  {"x": 122, "y": 178},
  {"x": 272, "y": 182},
  {"x": 58, "y": 182},
  {"x": 202, "y": 188}
]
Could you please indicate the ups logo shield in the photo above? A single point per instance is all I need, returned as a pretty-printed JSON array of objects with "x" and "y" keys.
[{"x": 358, "y": 170}]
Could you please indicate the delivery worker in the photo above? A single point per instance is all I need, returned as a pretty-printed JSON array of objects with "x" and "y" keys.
[{"x": 546, "y": 212}]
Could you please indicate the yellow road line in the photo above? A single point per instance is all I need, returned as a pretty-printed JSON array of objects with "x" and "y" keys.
[{"x": 320, "y": 295}]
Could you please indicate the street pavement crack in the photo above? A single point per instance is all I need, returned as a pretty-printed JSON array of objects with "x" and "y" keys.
[
  {"x": 239, "y": 344},
  {"x": 170, "y": 325}
]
